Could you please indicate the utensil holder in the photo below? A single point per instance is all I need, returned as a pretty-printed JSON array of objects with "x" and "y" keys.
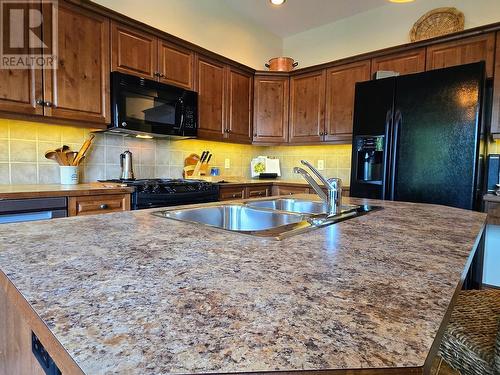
[{"x": 69, "y": 175}]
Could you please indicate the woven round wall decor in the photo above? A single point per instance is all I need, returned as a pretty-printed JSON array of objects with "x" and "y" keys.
[{"x": 437, "y": 22}]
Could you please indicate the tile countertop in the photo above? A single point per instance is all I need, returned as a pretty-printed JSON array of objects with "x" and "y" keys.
[
  {"x": 56, "y": 190},
  {"x": 139, "y": 294}
]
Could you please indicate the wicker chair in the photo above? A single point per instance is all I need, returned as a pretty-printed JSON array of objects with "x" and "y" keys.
[{"x": 471, "y": 343}]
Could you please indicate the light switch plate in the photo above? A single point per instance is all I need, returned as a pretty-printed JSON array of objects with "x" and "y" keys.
[
  {"x": 227, "y": 163},
  {"x": 321, "y": 165}
]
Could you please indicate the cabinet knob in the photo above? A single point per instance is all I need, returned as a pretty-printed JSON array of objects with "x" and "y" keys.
[
  {"x": 48, "y": 104},
  {"x": 40, "y": 102},
  {"x": 325, "y": 133},
  {"x": 103, "y": 206}
]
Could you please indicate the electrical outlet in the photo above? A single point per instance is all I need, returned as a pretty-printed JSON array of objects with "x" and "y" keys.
[
  {"x": 227, "y": 163},
  {"x": 321, "y": 165}
]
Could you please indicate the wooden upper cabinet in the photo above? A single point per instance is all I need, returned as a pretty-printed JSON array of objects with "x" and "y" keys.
[
  {"x": 175, "y": 65},
  {"x": 463, "y": 51},
  {"x": 495, "y": 111},
  {"x": 340, "y": 88},
  {"x": 133, "y": 51},
  {"x": 211, "y": 98},
  {"x": 409, "y": 62},
  {"x": 270, "y": 109},
  {"x": 21, "y": 88},
  {"x": 240, "y": 95},
  {"x": 307, "y": 107},
  {"x": 79, "y": 88}
]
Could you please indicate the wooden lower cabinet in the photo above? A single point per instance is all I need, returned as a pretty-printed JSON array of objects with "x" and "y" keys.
[
  {"x": 257, "y": 191},
  {"x": 231, "y": 192},
  {"x": 290, "y": 190},
  {"x": 15, "y": 341},
  {"x": 98, "y": 204}
]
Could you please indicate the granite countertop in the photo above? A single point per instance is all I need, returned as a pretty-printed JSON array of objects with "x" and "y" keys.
[
  {"x": 134, "y": 293},
  {"x": 56, "y": 190}
]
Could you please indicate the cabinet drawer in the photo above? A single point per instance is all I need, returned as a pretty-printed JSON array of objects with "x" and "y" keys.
[
  {"x": 290, "y": 190},
  {"x": 258, "y": 191},
  {"x": 98, "y": 204},
  {"x": 231, "y": 193}
]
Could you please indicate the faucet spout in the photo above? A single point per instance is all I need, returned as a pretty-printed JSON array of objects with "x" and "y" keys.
[
  {"x": 311, "y": 182},
  {"x": 333, "y": 196}
]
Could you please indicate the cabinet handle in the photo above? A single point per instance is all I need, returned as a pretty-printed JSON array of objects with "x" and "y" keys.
[
  {"x": 40, "y": 102},
  {"x": 48, "y": 104},
  {"x": 103, "y": 206},
  {"x": 325, "y": 133}
]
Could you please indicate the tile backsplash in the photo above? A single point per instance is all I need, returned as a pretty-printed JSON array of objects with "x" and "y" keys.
[{"x": 23, "y": 145}]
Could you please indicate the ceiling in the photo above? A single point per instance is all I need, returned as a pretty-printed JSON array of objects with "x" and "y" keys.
[{"x": 296, "y": 16}]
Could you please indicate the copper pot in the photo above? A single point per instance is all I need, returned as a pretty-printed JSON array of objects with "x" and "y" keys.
[{"x": 281, "y": 64}]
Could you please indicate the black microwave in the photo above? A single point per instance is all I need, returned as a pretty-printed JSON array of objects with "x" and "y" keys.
[{"x": 145, "y": 107}]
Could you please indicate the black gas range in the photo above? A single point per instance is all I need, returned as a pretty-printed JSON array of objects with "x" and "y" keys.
[{"x": 150, "y": 193}]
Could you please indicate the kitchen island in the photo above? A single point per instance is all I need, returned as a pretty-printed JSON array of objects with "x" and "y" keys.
[{"x": 133, "y": 293}]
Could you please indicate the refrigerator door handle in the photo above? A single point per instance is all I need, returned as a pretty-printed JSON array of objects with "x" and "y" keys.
[
  {"x": 398, "y": 118},
  {"x": 387, "y": 156}
]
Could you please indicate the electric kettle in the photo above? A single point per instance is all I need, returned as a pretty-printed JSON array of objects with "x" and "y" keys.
[{"x": 126, "y": 165}]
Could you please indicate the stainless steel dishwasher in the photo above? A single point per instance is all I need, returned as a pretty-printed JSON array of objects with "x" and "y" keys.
[{"x": 33, "y": 209}]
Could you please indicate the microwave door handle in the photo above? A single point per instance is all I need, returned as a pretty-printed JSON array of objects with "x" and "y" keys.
[{"x": 181, "y": 124}]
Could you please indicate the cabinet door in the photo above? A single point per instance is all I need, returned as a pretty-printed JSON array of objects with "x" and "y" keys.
[
  {"x": 211, "y": 98},
  {"x": 133, "y": 51},
  {"x": 495, "y": 111},
  {"x": 340, "y": 88},
  {"x": 21, "y": 88},
  {"x": 79, "y": 88},
  {"x": 271, "y": 96},
  {"x": 404, "y": 63},
  {"x": 307, "y": 107},
  {"x": 239, "y": 119},
  {"x": 175, "y": 65},
  {"x": 463, "y": 51}
]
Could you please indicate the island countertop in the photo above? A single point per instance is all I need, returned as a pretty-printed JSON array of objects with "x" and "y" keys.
[{"x": 139, "y": 294}]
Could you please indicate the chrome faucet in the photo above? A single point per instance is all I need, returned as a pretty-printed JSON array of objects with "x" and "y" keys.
[{"x": 333, "y": 196}]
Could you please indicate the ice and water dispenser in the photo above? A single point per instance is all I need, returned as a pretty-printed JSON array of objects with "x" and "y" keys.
[{"x": 369, "y": 156}]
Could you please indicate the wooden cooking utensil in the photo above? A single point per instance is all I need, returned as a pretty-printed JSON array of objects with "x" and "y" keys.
[
  {"x": 61, "y": 152},
  {"x": 71, "y": 155},
  {"x": 53, "y": 155},
  {"x": 83, "y": 150}
]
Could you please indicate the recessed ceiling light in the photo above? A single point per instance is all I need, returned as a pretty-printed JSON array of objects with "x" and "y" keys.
[
  {"x": 277, "y": 2},
  {"x": 401, "y": 1}
]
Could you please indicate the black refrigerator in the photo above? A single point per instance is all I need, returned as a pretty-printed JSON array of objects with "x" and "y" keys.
[{"x": 418, "y": 137}]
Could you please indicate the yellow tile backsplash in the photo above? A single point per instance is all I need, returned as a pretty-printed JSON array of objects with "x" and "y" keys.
[{"x": 23, "y": 145}]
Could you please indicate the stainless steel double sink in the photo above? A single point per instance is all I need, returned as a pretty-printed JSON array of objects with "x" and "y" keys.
[{"x": 275, "y": 218}]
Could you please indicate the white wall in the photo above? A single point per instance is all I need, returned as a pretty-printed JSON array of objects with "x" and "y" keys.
[
  {"x": 378, "y": 28},
  {"x": 207, "y": 23}
]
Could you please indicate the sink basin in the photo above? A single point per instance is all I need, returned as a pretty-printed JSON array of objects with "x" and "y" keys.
[
  {"x": 296, "y": 205},
  {"x": 234, "y": 217}
]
